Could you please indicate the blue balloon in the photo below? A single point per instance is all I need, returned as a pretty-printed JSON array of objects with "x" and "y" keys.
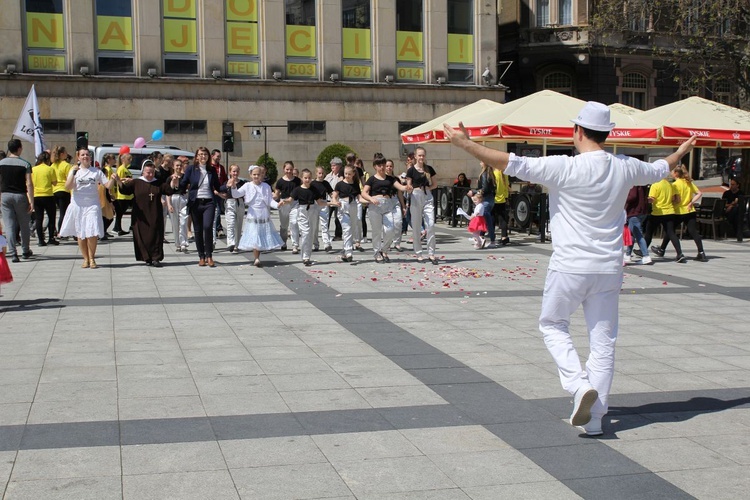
[{"x": 157, "y": 135}]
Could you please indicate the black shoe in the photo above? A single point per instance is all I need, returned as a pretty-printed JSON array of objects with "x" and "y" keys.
[
  {"x": 149, "y": 263},
  {"x": 42, "y": 243},
  {"x": 328, "y": 248},
  {"x": 121, "y": 233},
  {"x": 157, "y": 263},
  {"x": 104, "y": 238},
  {"x": 53, "y": 241},
  {"x": 283, "y": 248},
  {"x": 637, "y": 252},
  {"x": 657, "y": 251},
  {"x": 504, "y": 242},
  {"x": 681, "y": 258},
  {"x": 27, "y": 255},
  {"x": 701, "y": 257},
  {"x": 230, "y": 248},
  {"x": 15, "y": 259},
  {"x": 307, "y": 262}
]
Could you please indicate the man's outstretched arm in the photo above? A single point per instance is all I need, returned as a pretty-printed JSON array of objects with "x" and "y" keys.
[{"x": 460, "y": 138}]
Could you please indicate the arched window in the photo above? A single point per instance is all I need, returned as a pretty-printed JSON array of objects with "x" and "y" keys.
[
  {"x": 559, "y": 82},
  {"x": 634, "y": 90}
]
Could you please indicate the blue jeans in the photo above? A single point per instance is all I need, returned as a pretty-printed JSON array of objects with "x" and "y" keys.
[
  {"x": 488, "y": 206},
  {"x": 635, "y": 224}
]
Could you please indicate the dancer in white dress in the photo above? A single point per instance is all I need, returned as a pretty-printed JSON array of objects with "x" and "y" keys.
[
  {"x": 83, "y": 219},
  {"x": 258, "y": 232}
]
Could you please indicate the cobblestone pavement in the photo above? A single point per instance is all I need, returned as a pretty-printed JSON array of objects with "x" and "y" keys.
[{"x": 362, "y": 380}]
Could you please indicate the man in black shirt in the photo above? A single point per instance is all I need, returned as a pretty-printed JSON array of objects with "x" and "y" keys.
[
  {"x": 17, "y": 193},
  {"x": 732, "y": 199}
]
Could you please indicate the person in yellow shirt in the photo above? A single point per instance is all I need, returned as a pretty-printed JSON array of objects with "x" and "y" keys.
[
  {"x": 688, "y": 195},
  {"x": 44, "y": 178},
  {"x": 61, "y": 166},
  {"x": 122, "y": 201},
  {"x": 500, "y": 210},
  {"x": 661, "y": 195}
]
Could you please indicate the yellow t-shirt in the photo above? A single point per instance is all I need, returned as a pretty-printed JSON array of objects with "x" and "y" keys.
[
  {"x": 123, "y": 173},
  {"x": 501, "y": 186},
  {"x": 663, "y": 193},
  {"x": 62, "y": 168},
  {"x": 43, "y": 176},
  {"x": 686, "y": 192}
]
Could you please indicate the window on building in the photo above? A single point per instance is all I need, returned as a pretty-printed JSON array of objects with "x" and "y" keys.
[
  {"x": 565, "y": 12},
  {"x": 306, "y": 127},
  {"x": 542, "y": 13},
  {"x": 559, "y": 82},
  {"x": 44, "y": 36},
  {"x": 356, "y": 40},
  {"x": 243, "y": 57},
  {"x": 461, "y": 41},
  {"x": 634, "y": 90},
  {"x": 185, "y": 126},
  {"x": 180, "y": 39},
  {"x": 58, "y": 126},
  {"x": 404, "y": 126},
  {"x": 722, "y": 92},
  {"x": 301, "y": 40},
  {"x": 114, "y": 36},
  {"x": 409, "y": 41}
]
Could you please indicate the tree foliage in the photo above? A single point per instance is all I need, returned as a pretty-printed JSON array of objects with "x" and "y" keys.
[
  {"x": 329, "y": 152},
  {"x": 271, "y": 167},
  {"x": 702, "y": 39}
]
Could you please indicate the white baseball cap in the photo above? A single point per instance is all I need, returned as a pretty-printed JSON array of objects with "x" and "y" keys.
[{"x": 594, "y": 116}]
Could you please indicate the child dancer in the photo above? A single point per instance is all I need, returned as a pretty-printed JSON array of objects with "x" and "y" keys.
[
  {"x": 287, "y": 214},
  {"x": 5, "y": 275},
  {"x": 258, "y": 233},
  {"x": 345, "y": 195},
  {"x": 308, "y": 200},
  {"x": 177, "y": 206},
  {"x": 235, "y": 211},
  {"x": 477, "y": 222},
  {"x": 324, "y": 190}
]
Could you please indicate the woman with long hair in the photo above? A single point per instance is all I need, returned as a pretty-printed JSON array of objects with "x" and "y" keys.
[
  {"x": 202, "y": 184},
  {"x": 688, "y": 195},
  {"x": 59, "y": 158},
  {"x": 122, "y": 201},
  {"x": 83, "y": 219},
  {"x": 421, "y": 179}
]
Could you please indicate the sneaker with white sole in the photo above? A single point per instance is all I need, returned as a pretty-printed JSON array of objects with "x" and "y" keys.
[
  {"x": 584, "y": 399},
  {"x": 593, "y": 428},
  {"x": 646, "y": 261}
]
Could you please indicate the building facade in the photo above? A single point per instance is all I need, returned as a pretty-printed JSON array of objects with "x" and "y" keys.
[{"x": 313, "y": 72}]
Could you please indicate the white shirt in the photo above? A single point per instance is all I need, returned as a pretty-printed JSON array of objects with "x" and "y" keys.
[
  {"x": 586, "y": 196},
  {"x": 204, "y": 189}
]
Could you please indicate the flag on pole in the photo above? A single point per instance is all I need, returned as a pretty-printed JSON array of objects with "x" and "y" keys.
[{"x": 29, "y": 126}]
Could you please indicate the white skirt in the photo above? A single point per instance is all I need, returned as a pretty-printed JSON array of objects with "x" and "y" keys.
[
  {"x": 259, "y": 234},
  {"x": 83, "y": 222}
]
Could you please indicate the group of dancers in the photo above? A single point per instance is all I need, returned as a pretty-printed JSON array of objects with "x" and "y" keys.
[{"x": 307, "y": 203}]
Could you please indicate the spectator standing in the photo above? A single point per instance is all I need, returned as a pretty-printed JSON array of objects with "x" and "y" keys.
[
  {"x": 17, "y": 191},
  {"x": 44, "y": 178},
  {"x": 731, "y": 198}
]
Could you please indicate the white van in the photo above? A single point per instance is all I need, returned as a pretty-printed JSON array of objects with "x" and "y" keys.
[{"x": 138, "y": 154}]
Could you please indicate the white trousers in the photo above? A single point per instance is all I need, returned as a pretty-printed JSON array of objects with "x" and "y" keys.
[
  {"x": 288, "y": 223},
  {"x": 179, "y": 220},
  {"x": 423, "y": 209},
  {"x": 347, "y": 215},
  {"x": 599, "y": 294},
  {"x": 357, "y": 224},
  {"x": 381, "y": 221},
  {"x": 321, "y": 226},
  {"x": 306, "y": 218},
  {"x": 234, "y": 210},
  {"x": 398, "y": 221}
]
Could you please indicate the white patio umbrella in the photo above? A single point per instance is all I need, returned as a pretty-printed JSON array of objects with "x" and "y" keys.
[{"x": 432, "y": 131}]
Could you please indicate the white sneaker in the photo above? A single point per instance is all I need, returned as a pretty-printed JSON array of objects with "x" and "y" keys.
[
  {"x": 584, "y": 399},
  {"x": 593, "y": 428},
  {"x": 646, "y": 261}
]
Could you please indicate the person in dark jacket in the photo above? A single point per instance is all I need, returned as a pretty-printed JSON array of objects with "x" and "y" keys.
[
  {"x": 486, "y": 186},
  {"x": 636, "y": 207}
]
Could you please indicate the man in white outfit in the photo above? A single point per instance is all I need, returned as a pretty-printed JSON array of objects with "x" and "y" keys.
[{"x": 586, "y": 196}]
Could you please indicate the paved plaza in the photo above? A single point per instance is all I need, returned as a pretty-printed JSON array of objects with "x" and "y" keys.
[{"x": 362, "y": 381}]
